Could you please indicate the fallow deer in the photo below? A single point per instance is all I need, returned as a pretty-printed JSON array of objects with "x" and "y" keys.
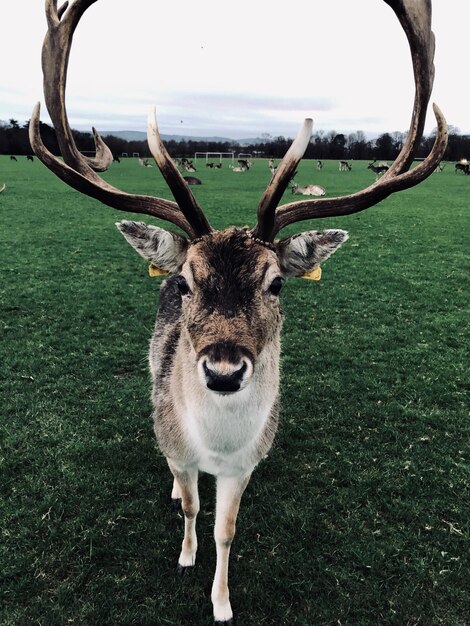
[
  {"x": 144, "y": 162},
  {"x": 344, "y": 166},
  {"x": 378, "y": 170},
  {"x": 462, "y": 167},
  {"x": 238, "y": 168},
  {"x": 308, "y": 190},
  {"x": 192, "y": 180},
  {"x": 185, "y": 164},
  {"x": 214, "y": 355}
]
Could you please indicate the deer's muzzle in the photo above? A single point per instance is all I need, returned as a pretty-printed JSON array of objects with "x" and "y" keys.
[{"x": 225, "y": 367}]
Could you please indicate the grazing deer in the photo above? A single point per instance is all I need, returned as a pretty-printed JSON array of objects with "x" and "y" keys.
[
  {"x": 13, "y": 158},
  {"x": 244, "y": 163},
  {"x": 30, "y": 157},
  {"x": 378, "y": 169},
  {"x": 344, "y": 166},
  {"x": 143, "y": 162},
  {"x": 462, "y": 167},
  {"x": 214, "y": 354},
  {"x": 440, "y": 167},
  {"x": 319, "y": 165},
  {"x": 309, "y": 190}
]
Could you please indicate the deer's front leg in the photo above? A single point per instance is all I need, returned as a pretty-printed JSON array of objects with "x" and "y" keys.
[
  {"x": 229, "y": 493},
  {"x": 186, "y": 485}
]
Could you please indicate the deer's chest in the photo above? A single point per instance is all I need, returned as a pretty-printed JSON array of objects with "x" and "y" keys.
[{"x": 226, "y": 437}]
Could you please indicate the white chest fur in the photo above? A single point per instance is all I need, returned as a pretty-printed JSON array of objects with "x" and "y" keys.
[{"x": 225, "y": 430}]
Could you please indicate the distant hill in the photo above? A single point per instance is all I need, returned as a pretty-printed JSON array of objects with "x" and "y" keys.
[{"x": 137, "y": 135}]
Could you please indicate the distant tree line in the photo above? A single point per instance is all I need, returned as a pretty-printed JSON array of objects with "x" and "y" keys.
[{"x": 323, "y": 145}]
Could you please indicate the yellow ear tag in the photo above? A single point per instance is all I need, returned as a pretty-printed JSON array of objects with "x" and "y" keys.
[
  {"x": 315, "y": 274},
  {"x": 156, "y": 271}
]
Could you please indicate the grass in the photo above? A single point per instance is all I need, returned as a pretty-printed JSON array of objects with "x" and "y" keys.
[{"x": 360, "y": 514}]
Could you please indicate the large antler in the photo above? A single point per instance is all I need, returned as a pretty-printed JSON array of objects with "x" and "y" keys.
[
  {"x": 80, "y": 172},
  {"x": 415, "y": 18}
]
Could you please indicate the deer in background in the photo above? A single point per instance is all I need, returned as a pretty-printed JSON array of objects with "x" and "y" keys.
[
  {"x": 144, "y": 162},
  {"x": 344, "y": 166},
  {"x": 214, "y": 354},
  {"x": 462, "y": 167},
  {"x": 239, "y": 168},
  {"x": 319, "y": 165},
  {"x": 308, "y": 190},
  {"x": 379, "y": 169},
  {"x": 192, "y": 180},
  {"x": 188, "y": 166}
]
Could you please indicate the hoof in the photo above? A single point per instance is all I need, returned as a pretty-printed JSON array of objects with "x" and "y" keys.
[
  {"x": 185, "y": 571},
  {"x": 176, "y": 504}
]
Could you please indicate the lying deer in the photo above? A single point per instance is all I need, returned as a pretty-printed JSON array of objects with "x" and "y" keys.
[
  {"x": 185, "y": 164},
  {"x": 309, "y": 190},
  {"x": 238, "y": 168},
  {"x": 214, "y": 354}
]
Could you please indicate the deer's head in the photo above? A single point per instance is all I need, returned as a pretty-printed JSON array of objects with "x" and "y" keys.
[
  {"x": 229, "y": 281},
  {"x": 229, "y": 285}
]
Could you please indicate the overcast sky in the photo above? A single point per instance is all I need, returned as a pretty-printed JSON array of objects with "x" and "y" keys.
[{"x": 237, "y": 69}]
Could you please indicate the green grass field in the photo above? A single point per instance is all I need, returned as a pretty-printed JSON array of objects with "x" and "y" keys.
[{"x": 360, "y": 514}]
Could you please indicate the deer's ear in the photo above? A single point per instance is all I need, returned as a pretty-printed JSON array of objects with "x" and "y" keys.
[
  {"x": 164, "y": 249},
  {"x": 301, "y": 253}
]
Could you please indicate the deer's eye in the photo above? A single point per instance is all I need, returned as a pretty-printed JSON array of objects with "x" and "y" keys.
[
  {"x": 183, "y": 286},
  {"x": 276, "y": 286}
]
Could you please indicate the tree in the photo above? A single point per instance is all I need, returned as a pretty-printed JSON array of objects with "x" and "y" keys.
[{"x": 384, "y": 148}]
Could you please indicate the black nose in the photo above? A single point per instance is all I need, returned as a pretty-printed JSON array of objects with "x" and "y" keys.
[{"x": 225, "y": 383}]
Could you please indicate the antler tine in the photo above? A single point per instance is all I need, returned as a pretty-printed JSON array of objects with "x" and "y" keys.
[
  {"x": 280, "y": 180},
  {"x": 80, "y": 172},
  {"x": 415, "y": 18},
  {"x": 62, "y": 23},
  {"x": 180, "y": 189},
  {"x": 354, "y": 203},
  {"x": 97, "y": 188}
]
